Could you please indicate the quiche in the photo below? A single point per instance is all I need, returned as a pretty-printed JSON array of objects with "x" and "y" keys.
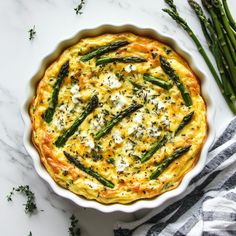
[{"x": 118, "y": 118}]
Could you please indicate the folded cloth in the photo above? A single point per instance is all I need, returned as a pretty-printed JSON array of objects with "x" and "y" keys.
[{"x": 208, "y": 205}]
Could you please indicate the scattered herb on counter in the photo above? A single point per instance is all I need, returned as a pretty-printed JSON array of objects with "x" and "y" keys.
[
  {"x": 32, "y": 33},
  {"x": 79, "y": 7},
  {"x": 74, "y": 230},
  {"x": 30, "y": 234},
  {"x": 30, "y": 205}
]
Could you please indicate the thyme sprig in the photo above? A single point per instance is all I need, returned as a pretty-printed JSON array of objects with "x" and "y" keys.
[
  {"x": 30, "y": 205},
  {"x": 32, "y": 33},
  {"x": 79, "y": 7},
  {"x": 74, "y": 230}
]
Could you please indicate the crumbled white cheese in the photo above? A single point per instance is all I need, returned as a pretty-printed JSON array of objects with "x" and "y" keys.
[
  {"x": 74, "y": 89},
  {"x": 95, "y": 124},
  {"x": 153, "y": 132},
  {"x": 130, "y": 68},
  {"x": 90, "y": 143},
  {"x": 138, "y": 117},
  {"x": 111, "y": 81},
  {"x": 119, "y": 99},
  {"x": 128, "y": 146},
  {"x": 160, "y": 105},
  {"x": 75, "y": 98},
  {"x": 132, "y": 129},
  {"x": 59, "y": 124},
  {"x": 117, "y": 137},
  {"x": 121, "y": 165},
  {"x": 63, "y": 107},
  {"x": 165, "y": 120}
]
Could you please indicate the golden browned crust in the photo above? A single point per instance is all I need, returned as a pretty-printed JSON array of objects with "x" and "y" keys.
[{"x": 130, "y": 177}]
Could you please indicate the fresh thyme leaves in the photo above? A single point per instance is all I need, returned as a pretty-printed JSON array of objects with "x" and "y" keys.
[
  {"x": 79, "y": 7},
  {"x": 74, "y": 230},
  {"x": 30, "y": 205},
  {"x": 30, "y": 234},
  {"x": 32, "y": 33}
]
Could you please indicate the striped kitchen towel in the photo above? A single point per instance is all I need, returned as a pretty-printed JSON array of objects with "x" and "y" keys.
[{"x": 207, "y": 207}]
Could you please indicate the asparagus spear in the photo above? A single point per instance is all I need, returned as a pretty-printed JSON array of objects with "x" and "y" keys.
[
  {"x": 179, "y": 20},
  {"x": 88, "y": 170},
  {"x": 62, "y": 139},
  {"x": 154, "y": 80},
  {"x": 130, "y": 59},
  {"x": 154, "y": 148},
  {"x": 184, "y": 122},
  {"x": 217, "y": 4},
  {"x": 103, "y": 49},
  {"x": 48, "y": 115},
  {"x": 165, "y": 65},
  {"x": 228, "y": 13},
  {"x": 222, "y": 42},
  {"x": 212, "y": 41},
  {"x": 116, "y": 120},
  {"x": 162, "y": 166}
]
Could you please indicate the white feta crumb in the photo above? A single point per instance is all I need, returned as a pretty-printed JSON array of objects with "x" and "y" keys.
[
  {"x": 132, "y": 129},
  {"x": 120, "y": 100},
  {"x": 90, "y": 143},
  {"x": 95, "y": 123},
  {"x": 75, "y": 89},
  {"x": 117, "y": 137},
  {"x": 165, "y": 121},
  {"x": 138, "y": 117},
  {"x": 160, "y": 105},
  {"x": 130, "y": 68},
  {"x": 153, "y": 132},
  {"x": 59, "y": 124},
  {"x": 121, "y": 165},
  {"x": 111, "y": 81},
  {"x": 75, "y": 98},
  {"x": 63, "y": 107},
  {"x": 128, "y": 146}
]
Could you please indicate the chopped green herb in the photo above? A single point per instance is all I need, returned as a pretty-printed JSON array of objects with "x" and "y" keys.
[
  {"x": 111, "y": 160},
  {"x": 79, "y": 7},
  {"x": 32, "y": 33},
  {"x": 96, "y": 156},
  {"x": 74, "y": 230},
  {"x": 30, "y": 234},
  {"x": 30, "y": 205}
]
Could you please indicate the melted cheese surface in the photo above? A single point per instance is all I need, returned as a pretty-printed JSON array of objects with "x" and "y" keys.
[{"x": 121, "y": 148}]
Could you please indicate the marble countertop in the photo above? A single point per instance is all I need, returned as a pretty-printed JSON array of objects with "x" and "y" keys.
[{"x": 54, "y": 21}]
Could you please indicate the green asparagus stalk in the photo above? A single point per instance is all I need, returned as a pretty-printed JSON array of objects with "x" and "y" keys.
[
  {"x": 62, "y": 139},
  {"x": 162, "y": 166},
  {"x": 130, "y": 59},
  {"x": 165, "y": 65},
  {"x": 88, "y": 170},
  {"x": 222, "y": 42},
  {"x": 229, "y": 16},
  {"x": 48, "y": 115},
  {"x": 215, "y": 49},
  {"x": 161, "y": 83},
  {"x": 217, "y": 4},
  {"x": 179, "y": 20},
  {"x": 184, "y": 122},
  {"x": 106, "y": 129},
  {"x": 154, "y": 148},
  {"x": 103, "y": 49}
]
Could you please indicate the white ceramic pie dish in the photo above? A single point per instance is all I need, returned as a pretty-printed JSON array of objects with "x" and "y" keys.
[{"x": 144, "y": 203}]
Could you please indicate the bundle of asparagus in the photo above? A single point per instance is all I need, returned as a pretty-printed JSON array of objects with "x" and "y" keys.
[{"x": 220, "y": 34}]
